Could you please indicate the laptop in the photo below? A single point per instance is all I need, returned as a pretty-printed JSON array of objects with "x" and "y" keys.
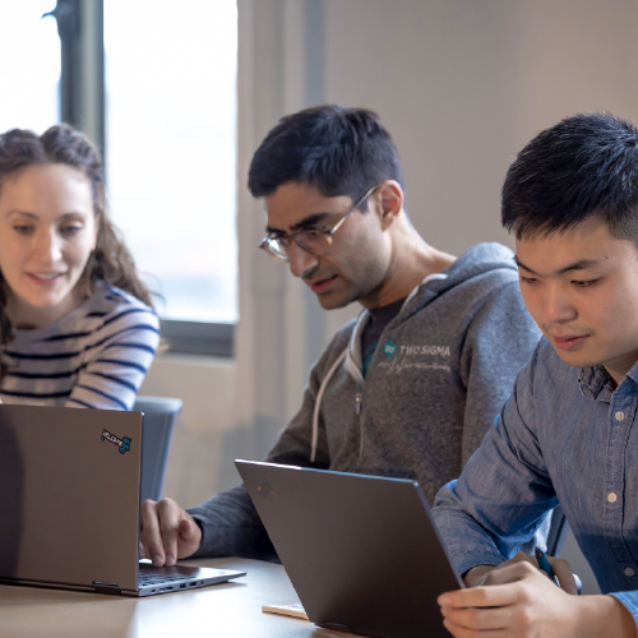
[
  {"x": 70, "y": 504},
  {"x": 361, "y": 551}
]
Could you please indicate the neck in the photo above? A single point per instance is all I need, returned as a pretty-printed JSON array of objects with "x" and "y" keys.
[
  {"x": 413, "y": 259},
  {"x": 25, "y": 316},
  {"x": 619, "y": 368}
]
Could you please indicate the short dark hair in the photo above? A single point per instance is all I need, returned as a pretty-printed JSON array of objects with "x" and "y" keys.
[
  {"x": 338, "y": 151},
  {"x": 584, "y": 165}
]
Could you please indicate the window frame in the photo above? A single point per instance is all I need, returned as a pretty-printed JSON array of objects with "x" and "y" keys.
[{"x": 82, "y": 105}]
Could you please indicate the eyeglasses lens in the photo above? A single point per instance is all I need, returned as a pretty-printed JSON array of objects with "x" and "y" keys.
[
  {"x": 278, "y": 248},
  {"x": 314, "y": 241}
]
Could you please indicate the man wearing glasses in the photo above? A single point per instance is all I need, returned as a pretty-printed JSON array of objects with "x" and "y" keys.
[{"x": 409, "y": 388}]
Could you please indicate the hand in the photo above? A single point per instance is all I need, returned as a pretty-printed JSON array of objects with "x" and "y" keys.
[
  {"x": 480, "y": 576},
  {"x": 520, "y": 601},
  {"x": 168, "y": 532}
]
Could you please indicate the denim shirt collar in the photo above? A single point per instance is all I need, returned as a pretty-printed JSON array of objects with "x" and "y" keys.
[{"x": 595, "y": 382}]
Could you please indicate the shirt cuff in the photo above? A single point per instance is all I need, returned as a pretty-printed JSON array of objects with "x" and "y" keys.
[
  {"x": 468, "y": 560},
  {"x": 630, "y": 600}
]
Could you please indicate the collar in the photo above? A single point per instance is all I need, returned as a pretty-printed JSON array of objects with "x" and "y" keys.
[{"x": 595, "y": 382}]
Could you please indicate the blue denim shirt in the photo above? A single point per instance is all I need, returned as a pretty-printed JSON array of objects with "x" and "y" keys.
[{"x": 563, "y": 435}]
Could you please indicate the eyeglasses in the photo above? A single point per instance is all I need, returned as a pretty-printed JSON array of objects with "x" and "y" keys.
[{"x": 313, "y": 240}]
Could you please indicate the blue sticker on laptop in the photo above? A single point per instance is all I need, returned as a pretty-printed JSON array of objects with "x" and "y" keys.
[{"x": 123, "y": 444}]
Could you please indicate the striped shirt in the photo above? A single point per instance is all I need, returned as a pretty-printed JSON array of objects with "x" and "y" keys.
[{"x": 95, "y": 357}]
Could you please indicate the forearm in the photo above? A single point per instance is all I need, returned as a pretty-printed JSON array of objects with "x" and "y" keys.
[
  {"x": 469, "y": 544},
  {"x": 231, "y": 527}
]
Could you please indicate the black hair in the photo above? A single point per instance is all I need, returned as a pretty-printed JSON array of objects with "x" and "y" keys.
[
  {"x": 584, "y": 165},
  {"x": 338, "y": 151}
]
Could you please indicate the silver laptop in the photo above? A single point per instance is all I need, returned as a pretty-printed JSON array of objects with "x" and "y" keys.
[
  {"x": 70, "y": 503},
  {"x": 361, "y": 551}
]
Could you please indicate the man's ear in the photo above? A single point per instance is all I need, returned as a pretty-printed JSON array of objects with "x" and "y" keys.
[{"x": 390, "y": 197}]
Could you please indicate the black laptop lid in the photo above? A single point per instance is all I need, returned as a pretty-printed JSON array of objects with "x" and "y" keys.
[
  {"x": 69, "y": 495},
  {"x": 361, "y": 551}
]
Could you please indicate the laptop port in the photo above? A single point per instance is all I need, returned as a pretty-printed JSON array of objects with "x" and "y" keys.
[
  {"x": 182, "y": 586},
  {"x": 166, "y": 589}
]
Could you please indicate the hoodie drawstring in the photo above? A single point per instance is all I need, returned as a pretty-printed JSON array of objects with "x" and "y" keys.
[{"x": 315, "y": 414}]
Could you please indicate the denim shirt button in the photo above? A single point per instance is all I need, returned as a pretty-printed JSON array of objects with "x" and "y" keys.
[
  {"x": 611, "y": 497},
  {"x": 629, "y": 571},
  {"x": 620, "y": 416}
]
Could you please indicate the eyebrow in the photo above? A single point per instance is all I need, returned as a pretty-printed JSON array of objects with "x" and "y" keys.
[
  {"x": 307, "y": 222},
  {"x": 24, "y": 213},
  {"x": 13, "y": 211},
  {"x": 582, "y": 264}
]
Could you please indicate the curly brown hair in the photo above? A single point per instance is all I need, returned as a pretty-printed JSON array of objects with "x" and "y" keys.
[{"x": 110, "y": 261}]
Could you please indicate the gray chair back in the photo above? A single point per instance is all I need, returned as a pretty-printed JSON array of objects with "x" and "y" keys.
[
  {"x": 159, "y": 420},
  {"x": 557, "y": 532}
]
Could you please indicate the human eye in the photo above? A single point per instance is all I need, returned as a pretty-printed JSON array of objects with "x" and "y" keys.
[
  {"x": 23, "y": 229},
  {"x": 313, "y": 233},
  {"x": 584, "y": 284},
  {"x": 69, "y": 230},
  {"x": 528, "y": 280}
]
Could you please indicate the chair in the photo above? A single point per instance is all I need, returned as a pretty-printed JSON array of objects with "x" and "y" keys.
[
  {"x": 557, "y": 532},
  {"x": 159, "y": 420}
]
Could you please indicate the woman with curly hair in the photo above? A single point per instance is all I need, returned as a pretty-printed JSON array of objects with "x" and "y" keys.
[{"x": 77, "y": 327}]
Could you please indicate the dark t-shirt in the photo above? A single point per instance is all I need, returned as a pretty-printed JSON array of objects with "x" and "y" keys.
[{"x": 379, "y": 319}]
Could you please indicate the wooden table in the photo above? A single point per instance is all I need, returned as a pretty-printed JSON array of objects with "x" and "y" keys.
[{"x": 231, "y": 609}]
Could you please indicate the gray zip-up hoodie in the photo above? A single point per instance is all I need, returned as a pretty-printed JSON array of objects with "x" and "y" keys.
[{"x": 442, "y": 371}]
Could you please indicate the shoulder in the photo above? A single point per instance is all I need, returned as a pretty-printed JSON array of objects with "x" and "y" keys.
[
  {"x": 544, "y": 380},
  {"x": 547, "y": 369},
  {"x": 489, "y": 264},
  {"x": 120, "y": 310},
  {"x": 112, "y": 316}
]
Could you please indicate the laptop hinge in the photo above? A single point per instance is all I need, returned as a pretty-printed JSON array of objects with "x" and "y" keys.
[
  {"x": 113, "y": 589},
  {"x": 335, "y": 626}
]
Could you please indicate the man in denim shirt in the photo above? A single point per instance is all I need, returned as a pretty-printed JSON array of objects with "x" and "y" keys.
[{"x": 567, "y": 432}]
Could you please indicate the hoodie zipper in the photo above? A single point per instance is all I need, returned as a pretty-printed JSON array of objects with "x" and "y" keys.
[{"x": 358, "y": 400}]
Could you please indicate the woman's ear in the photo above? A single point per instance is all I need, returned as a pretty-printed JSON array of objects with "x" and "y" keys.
[{"x": 390, "y": 195}]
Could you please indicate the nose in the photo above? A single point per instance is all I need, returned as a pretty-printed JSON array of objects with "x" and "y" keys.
[
  {"x": 47, "y": 249},
  {"x": 301, "y": 261},
  {"x": 557, "y": 306}
]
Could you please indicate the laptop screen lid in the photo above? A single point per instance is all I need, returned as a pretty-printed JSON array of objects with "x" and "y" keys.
[
  {"x": 69, "y": 495},
  {"x": 361, "y": 551}
]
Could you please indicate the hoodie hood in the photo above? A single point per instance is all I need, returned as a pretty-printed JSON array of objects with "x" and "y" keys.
[{"x": 475, "y": 262}]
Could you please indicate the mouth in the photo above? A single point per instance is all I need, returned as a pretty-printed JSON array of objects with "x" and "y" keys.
[
  {"x": 569, "y": 342},
  {"x": 45, "y": 278},
  {"x": 321, "y": 286}
]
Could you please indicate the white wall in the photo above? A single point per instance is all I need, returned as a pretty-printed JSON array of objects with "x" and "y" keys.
[{"x": 461, "y": 85}]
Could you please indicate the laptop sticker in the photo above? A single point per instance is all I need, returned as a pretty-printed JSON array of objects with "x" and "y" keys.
[
  {"x": 124, "y": 444},
  {"x": 265, "y": 489}
]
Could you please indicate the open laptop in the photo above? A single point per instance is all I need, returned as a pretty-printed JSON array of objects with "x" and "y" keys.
[
  {"x": 362, "y": 552},
  {"x": 70, "y": 503}
]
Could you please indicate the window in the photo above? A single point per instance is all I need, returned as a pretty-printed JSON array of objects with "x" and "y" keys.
[
  {"x": 29, "y": 75},
  {"x": 171, "y": 72},
  {"x": 153, "y": 84}
]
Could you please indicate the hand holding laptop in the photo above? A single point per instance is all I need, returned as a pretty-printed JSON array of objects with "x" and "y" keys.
[{"x": 168, "y": 532}]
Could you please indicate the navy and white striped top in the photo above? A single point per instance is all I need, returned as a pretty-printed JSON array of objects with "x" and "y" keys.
[{"x": 95, "y": 357}]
